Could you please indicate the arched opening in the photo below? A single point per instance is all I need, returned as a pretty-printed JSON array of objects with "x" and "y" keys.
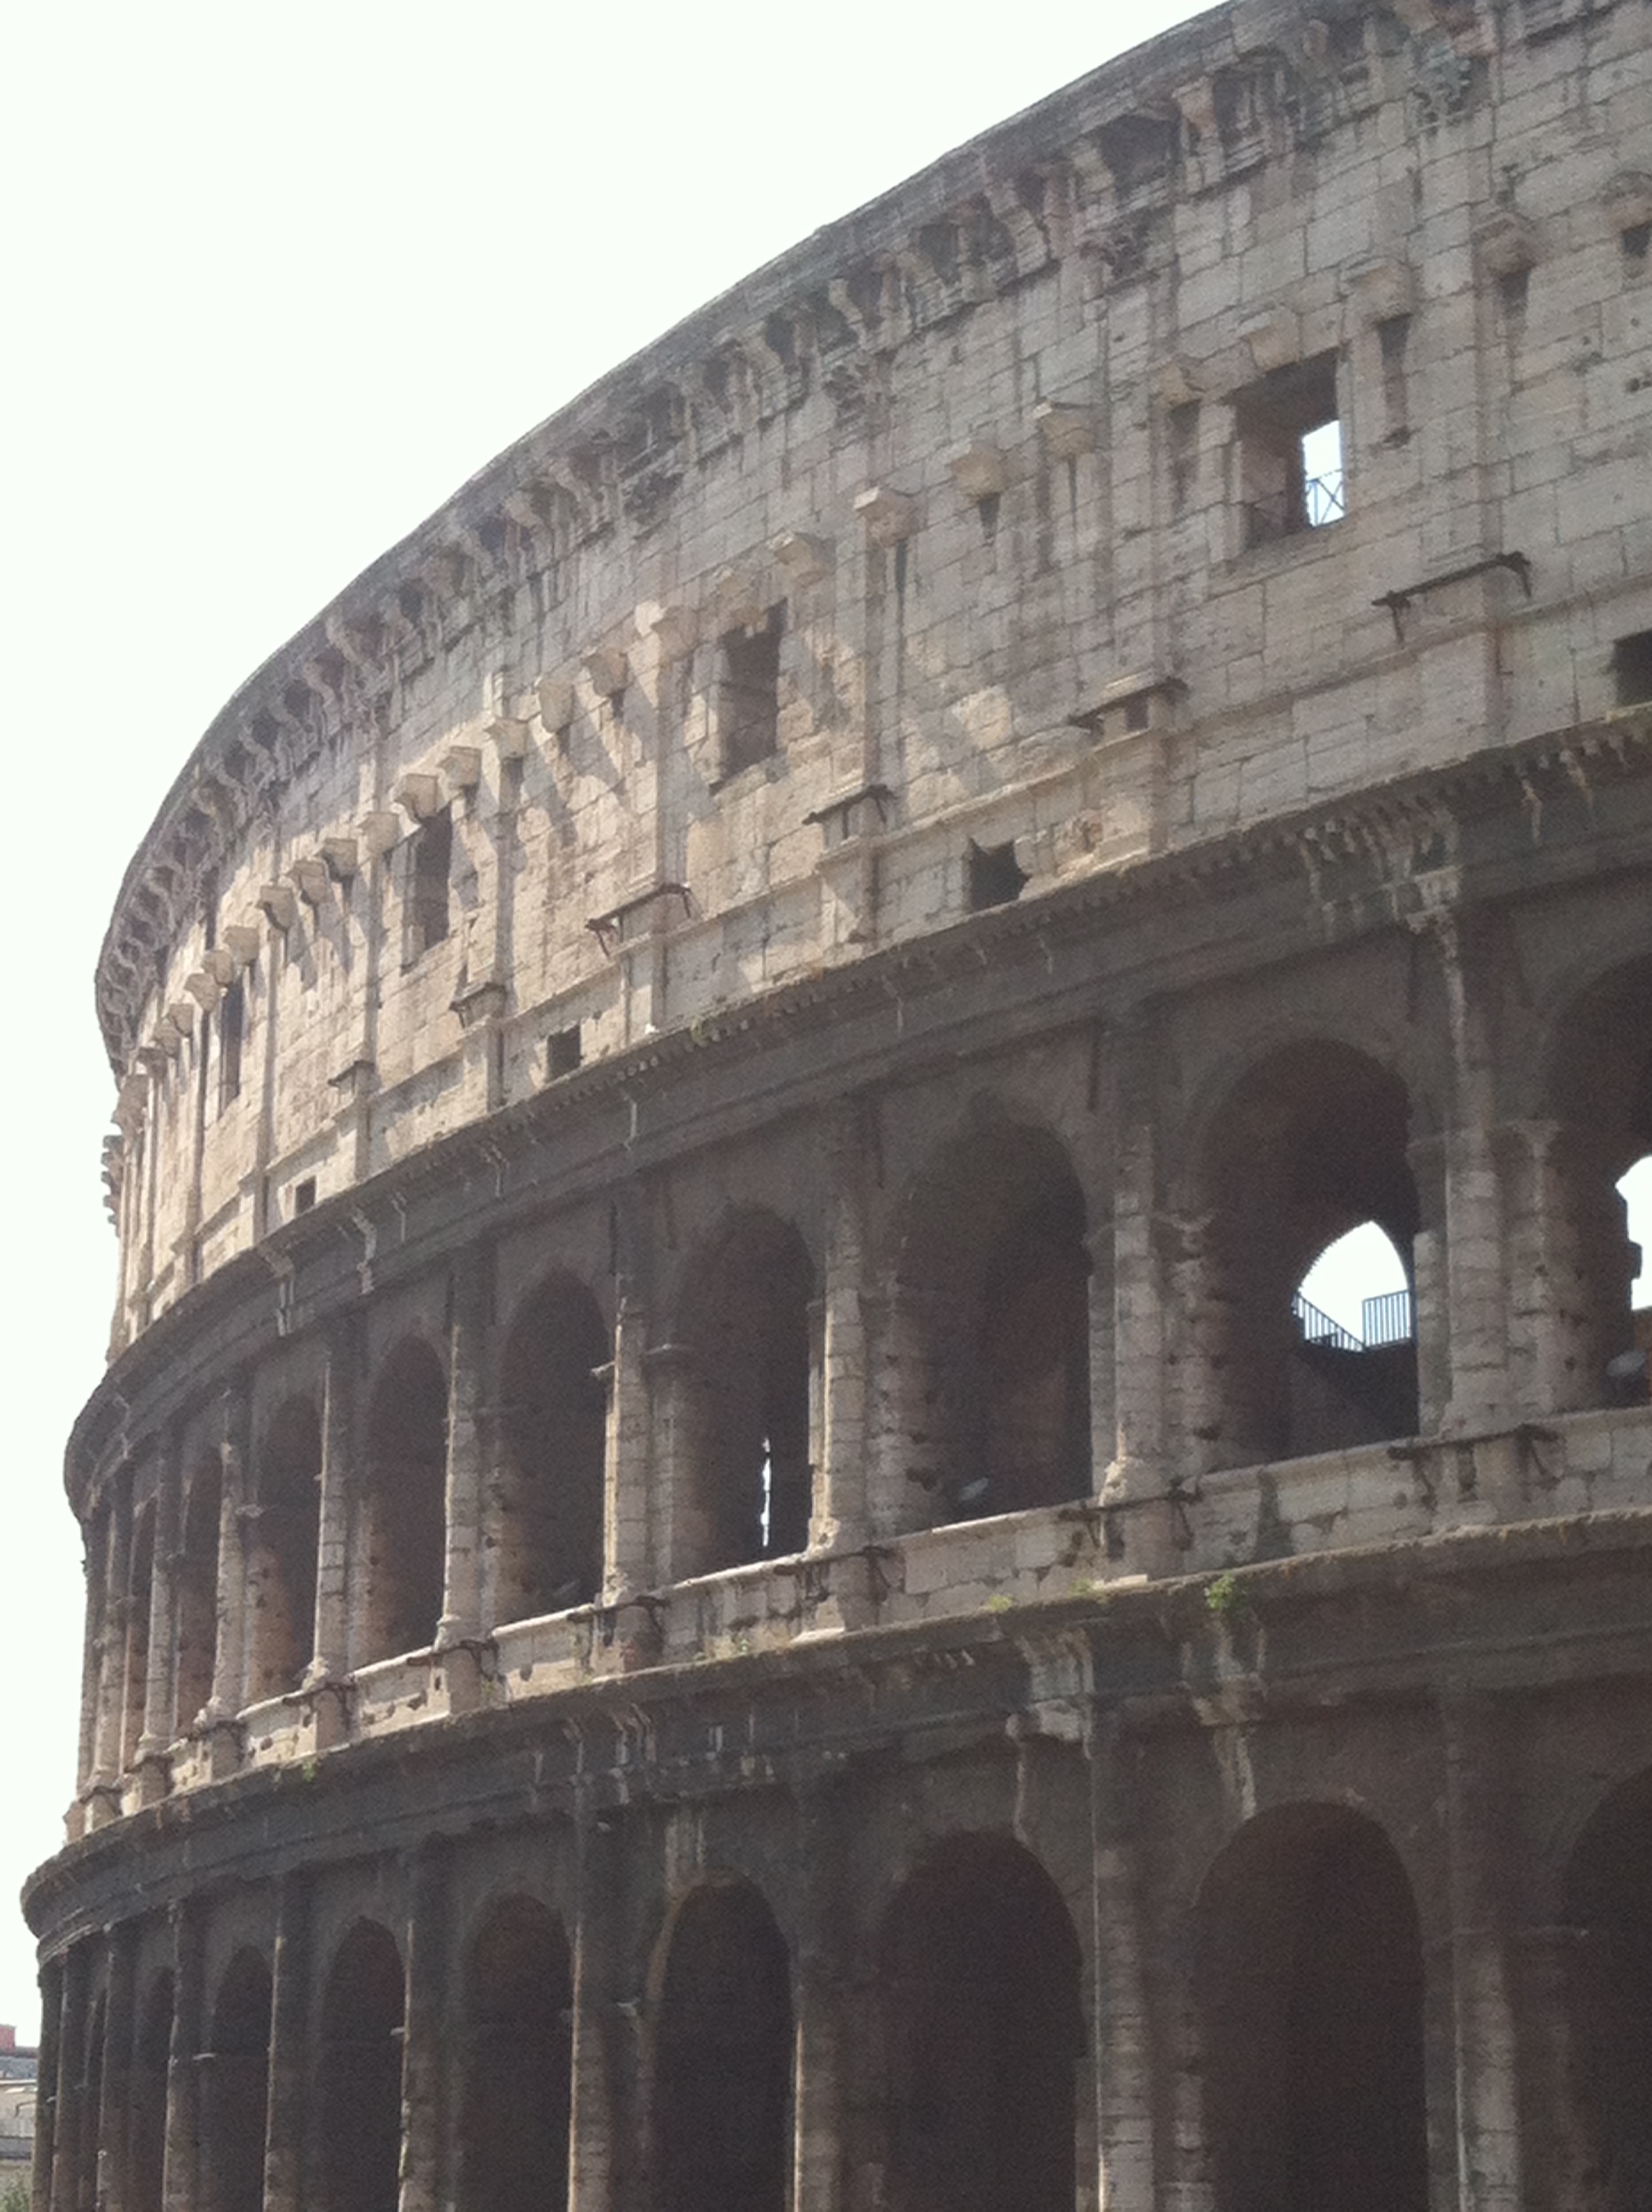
[
  {"x": 235, "y": 2090},
  {"x": 197, "y": 1591},
  {"x": 1353, "y": 1371},
  {"x": 993, "y": 1306},
  {"x": 724, "y": 2058},
  {"x": 403, "y": 1525},
  {"x": 517, "y": 2061},
  {"x": 983, "y": 2031},
  {"x": 1309, "y": 1979},
  {"x": 146, "y": 2098},
  {"x": 554, "y": 1418},
  {"x": 1312, "y": 1143},
  {"x": 1627, "y": 1375},
  {"x": 281, "y": 1567},
  {"x": 1609, "y": 1909},
  {"x": 1600, "y": 1090},
  {"x": 358, "y": 2081},
  {"x": 140, "y": 1591},
  {"x": 746, "y": 1315}
]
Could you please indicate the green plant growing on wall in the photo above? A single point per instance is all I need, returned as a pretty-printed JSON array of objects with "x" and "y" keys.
[
  {"x": 15, "y": 2196},
  {"x": 1226, "y": 1597}
]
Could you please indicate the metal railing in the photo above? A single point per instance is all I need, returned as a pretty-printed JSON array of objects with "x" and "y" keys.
[
  {"x": 1308, "y": 506},
  {"x": 1318, "y": 1327},
  {"x": 1387, "y": 1319}
]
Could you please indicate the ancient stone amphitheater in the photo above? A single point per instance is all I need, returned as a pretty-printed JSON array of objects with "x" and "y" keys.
[{"x": 725, "y": 1568}]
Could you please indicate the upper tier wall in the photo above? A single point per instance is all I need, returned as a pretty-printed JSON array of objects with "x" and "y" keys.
[{"x": 968, "y": 525}]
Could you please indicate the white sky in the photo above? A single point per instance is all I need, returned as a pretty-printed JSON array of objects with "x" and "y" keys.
[{"x": 277, "y": 280}]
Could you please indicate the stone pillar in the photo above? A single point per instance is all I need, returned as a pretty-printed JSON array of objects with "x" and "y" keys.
[
  {"x": 67, "y": 2145},
  {"x": 469, "y": 1431},
  {"x": 1475, "y": 1261},
  {"x": 332, "y": 1661},
  {"x": 591, "y": 2133},
  {"x": 229, "y": 1657},
  {"x": 839, "y": 1521},
  {"x": 425, "y": 2044},
  {"x": 1101, "y": 1316},
  {"x": 161, "y": 1687},
  {"x": 626, "y": 1563},
  {"x": 120, "y": 2029},
  {"x": 1140, "y": 1535},
  {"x": 285, "y": 2134},
  {"x": 95, "y": 1549},
  {"x": 177, "y": 2187},
  {"x": 1487, "y": 2114},
  {"x": 1123, "y": 2055},
  {"x": 46, "y": 2103},
  {"x": 107, "y": 1761},
  {"x": 820, "y": 2087},
  {"x": 677, "y": 1529}
]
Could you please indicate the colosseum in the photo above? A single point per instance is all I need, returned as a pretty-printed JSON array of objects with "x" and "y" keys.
[{"x": 726, "y": 1568}]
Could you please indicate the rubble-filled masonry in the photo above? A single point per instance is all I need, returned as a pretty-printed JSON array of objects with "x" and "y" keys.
[{"x": 726, "y": 1570}]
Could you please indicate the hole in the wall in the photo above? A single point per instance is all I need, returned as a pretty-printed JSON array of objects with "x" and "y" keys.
[
  {"x": 1291, "y": 471},
  {"x": 1631, "y": 668},
  {"x": 1636, "y": 240},
  {"x": 562, "y": 1052},
  {"x": 1627, "y": 1371},
  {"x": 747, "y": 693},
  {"x": 430, "y": 861},
  {"x": 995, "y": 876},
  {"x": 304, "y": 1194},
  {"x": 231, "y": 1029},
  {"x": 1514, "y": 290}
]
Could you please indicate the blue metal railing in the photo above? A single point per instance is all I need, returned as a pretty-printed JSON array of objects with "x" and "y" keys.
[
  {"x": 1318, "y": 1327},
  {"x": 1387, "y": 1319}
]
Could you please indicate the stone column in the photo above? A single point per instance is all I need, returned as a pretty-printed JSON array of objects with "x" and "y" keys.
[
  {"x": 94, "y": 1550},
  {"x": 161, "y": 1687},
  {"x": 625, "y": 1565},
  {"x": 839, "y": 1521},
  {"x": 1101, "y": 1316},
  {"x": 1123, "y": 2055},
  {"x": 469, "y": 1429},
  {"x": 1140, "y": 1534},
  {"x": 104, "y": 1802},
  {"x": 675, "y": 1524},
  {"x": 229, "y": 1657},
  {"x": 119, "y": 2028},
  {"x": 68, "y": 2114},
  {"x": 45, "y": 2104},
  {"x": 425, "y": 2044},
  {"x": 1487, "y": 2115},
  {"x": 590, "y": 2136},
  {"x": 819, "y": 2008},
  {"x": 333, "y": 1536},
  {"x": 177, "y": 2187},
  {"x": 285, "y": 2134}
]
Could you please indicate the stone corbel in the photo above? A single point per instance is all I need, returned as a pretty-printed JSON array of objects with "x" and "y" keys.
[
  {"x": 482, "y": 1001},
  {"x": 278, "y": 906},
  {"x": 377, "y": 832},
  {"x": 554, "y": 694},
  {"x": 204, "y": 988},
  {"x": 738, "y": 601},
  {"x": 1131, "y": 706},
  {"x": 462, "y": 767},
  {"x": 1506, "y": 243},
  {"x": 221, "y": 966},
  {"x": 1274, "y": 336},
  {"x": 609, "y": 670},
  {"x": 167, "y": 1037},
  {"x": 890, "y": 516},
  {"x": 674, "y": 629},
  {"x": 340, "y": 857},
  {"x": 242, "y": 941},
  {"x": 154, "y": 1055},
  {"x": 979, "y": 470},
  {"x": 1178, "y": 382},
  {"x": 508, "y": 735},
  {"x": 132, "y": 1101},
  {"x": 1379, "y": 290},
  {"x": 419, "y": 797},
  {"x": 806, "y": 560},
  {"x": 310, "y": 874},
  {"x": 181, "y": 1015},
  {"x": 1066, "y": 430}
]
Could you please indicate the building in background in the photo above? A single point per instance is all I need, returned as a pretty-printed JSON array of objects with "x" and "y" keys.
[{"x": 726, "y": 1569}]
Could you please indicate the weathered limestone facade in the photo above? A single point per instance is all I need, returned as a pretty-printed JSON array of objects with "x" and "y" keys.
[{"x": 717, "y": 1577}]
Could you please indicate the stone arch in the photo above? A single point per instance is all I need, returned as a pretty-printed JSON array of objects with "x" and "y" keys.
[
  {"x": 1596, "y": 1123},
  {"x": 745, "y": 1324},
  {"x": 989, "y": 1321},
  {"x": 235, "y": 2089},
  {"x": 1311, "y": 1140},
  {"x": 553, "y": 1422},
  {"x": 401, "y": 1552},
  {"x": 1309, "y": 1985},
  {"x": 146, "y": 2148},
  {"x": 1608, "y": 1911},
  {"x": 358, "y": 2076},
  {"x": 982, "y": 2033},
  {"x": 284, "y": 1549},
  {"x": 517, "y": 2062},
  {"x": 724, "y": 2057},
  {"x": 197, "y": 1589}
]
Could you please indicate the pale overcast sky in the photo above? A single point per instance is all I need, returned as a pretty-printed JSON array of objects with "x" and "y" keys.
[{"x": 278, "y": 280}]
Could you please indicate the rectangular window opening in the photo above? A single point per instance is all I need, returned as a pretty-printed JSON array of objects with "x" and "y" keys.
[
  {"x": 1631, "y": 668},
  {"x": 430, "y": 866},
  {"x": 747, "y": 693},
  {"x": 304, "y": 1196},
  {"x": 562, "y": 1052},
  {"x": 232, "y": 1029},
  {"x": 1292, "y": 475},
  {"x": 995, "y": 876}
]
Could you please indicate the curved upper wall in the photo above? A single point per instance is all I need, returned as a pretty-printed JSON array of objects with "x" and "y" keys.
[{"x": 961, "y": 552}]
